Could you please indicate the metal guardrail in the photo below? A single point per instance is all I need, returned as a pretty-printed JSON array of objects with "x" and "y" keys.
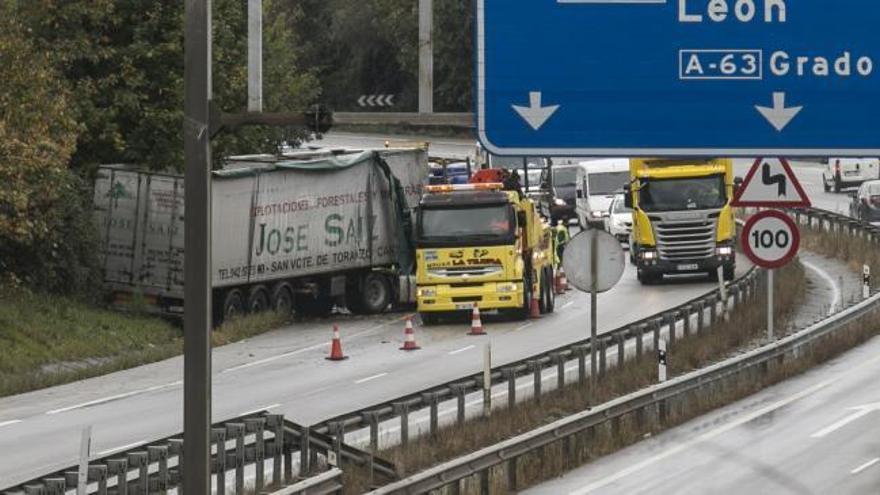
[
  {"x": 648, "y": 400},
  {"x": 322, "y": 484},
  {"x": 248, "y": 442},
  {"x": 693, "y": 316}
]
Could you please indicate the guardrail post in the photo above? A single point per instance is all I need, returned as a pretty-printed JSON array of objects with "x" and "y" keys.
[
  {"x": 55, "y": 486},
  {"x": 138, "y": 460},
  {"x": 621, "y": 351},
  {"x": 662, "y": 411},
  {"x": 559, "y": 359},
  {"x": 657, "y": 323},
  {"x": 372, "y": 418},
  {"x": 218, "y": 438},
  {"x": 432, "y": 398},
  {"x": 640, "y": 419},
  {"x": 484, "y": 481},
  {"x": 671, "y": 319},
  {"x": 236, "y": 431},
  {"x": 338, "y": 439},
  {"x": 713, "y": 310},
  {"x": 160, "y": 454},
  {"x": 98, "y": 474},
  {"x": 640, "y": 334},
  {"x": 118, "y": 468},
  {"x": 305, "y": 457},
  {"x": 458, "y": 392},
  {"x": 511, "y": 474},
  {"x": 686, "y": 313},
  {"x": 701, "y": 317},
  {"x": 510, "y": 375},
  {"x": 402, "y": 410},
  {"x": 581, "y": 351},
  {"x": 535, "y": 366},
  {"x": 255, "y": 426},
  {"x": 276, "y": 424},
  {"x": 603, "y": 348}
]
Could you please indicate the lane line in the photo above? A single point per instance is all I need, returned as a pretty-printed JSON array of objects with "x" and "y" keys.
[
  {"x": 459, "y": 351},
  {"x": 120, "y": 448},
  {"x": 365, "y": 380},
  {"x": 307, "y": 349},
  {"x": 836, "y": 296},
  {"x": 865, "y": 466},
  {"x": 10, "y": 422},
  {"x": 260, "y": 409},
  {"x": 115, "y": 397},
  {"x": 702, "y": 438},
  {"x": 840, "y": 424},
  {"x": 524, "y": 326},
  {"x": 566, "y": 305}
]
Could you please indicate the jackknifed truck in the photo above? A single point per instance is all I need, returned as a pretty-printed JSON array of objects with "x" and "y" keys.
[{"x": 291, "y": 233}]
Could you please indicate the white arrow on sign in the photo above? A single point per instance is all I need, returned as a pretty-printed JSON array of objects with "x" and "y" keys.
[
  {"x": 534, "y": 114},
  {"x": 860, "y": 412},
  {"x": 779, "y": 116}
]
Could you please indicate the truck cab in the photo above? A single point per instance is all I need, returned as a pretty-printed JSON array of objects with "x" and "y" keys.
[
  {"x": 682, "y": 219},
  {"x": 481, "y": 245}
]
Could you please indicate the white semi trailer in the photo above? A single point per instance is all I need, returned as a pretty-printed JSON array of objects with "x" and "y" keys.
[{"x": 289, "y": 233}]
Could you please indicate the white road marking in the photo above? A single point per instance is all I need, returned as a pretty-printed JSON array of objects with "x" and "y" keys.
[
  {"x": 865, "y": 466},
  {"x": 702, "y": 438},
  {"x": 836, "y": 297},
  {"x": 306, "y": 349},
  {"x": 260, "y": 409},
  {"x": 566, "y": 305},
  {"x": 120, "y": 448},
  {"x": 524, "y": 326},
  {"x": 843, "y": 422},
  {"x": 459, "y": 351},
  {"x": 115, "y": 397},
  {"x": 365, "y": 380},
  {"x": 10, "y": 422}
]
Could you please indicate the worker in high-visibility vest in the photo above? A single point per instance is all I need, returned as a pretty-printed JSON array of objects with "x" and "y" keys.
[{"x": 560, "y": 239}]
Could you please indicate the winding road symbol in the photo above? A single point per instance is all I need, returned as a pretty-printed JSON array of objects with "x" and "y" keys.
[{"x": 769, "y": 180}]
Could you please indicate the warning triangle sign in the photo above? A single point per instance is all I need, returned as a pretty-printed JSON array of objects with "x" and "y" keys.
[{"x": 771, "y": 183}]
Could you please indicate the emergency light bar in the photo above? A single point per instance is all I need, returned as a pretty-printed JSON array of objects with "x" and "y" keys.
[{"x": 484, "y": 186}]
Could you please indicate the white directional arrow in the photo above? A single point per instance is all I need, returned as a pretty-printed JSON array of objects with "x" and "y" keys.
[
  {"x": 535, "y": 114},
  {"x": 779, "y": 116},
  {"x": 860, "y": 412}
]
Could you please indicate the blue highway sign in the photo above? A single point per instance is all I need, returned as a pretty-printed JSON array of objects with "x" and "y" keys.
[{"x": 679, "y": 77}]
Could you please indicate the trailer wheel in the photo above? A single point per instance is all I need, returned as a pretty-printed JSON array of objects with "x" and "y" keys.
[
  {"x": 549, "y": 289},
  {"x": 282, "y": 300},
  {"x": 375, "y": 294},
  {"x": 258, "y": 299},
  {"x": 233, "y": 305}
]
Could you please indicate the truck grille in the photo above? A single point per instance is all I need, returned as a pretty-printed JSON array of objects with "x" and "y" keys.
[
  {"x": 684, "y": 241},
  {"x": 467, "y": 271}
]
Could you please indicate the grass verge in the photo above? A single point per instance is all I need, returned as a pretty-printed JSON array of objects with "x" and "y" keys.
[
  {"x": 743, "y": 330},
  {"x": 48, "y": 340}
]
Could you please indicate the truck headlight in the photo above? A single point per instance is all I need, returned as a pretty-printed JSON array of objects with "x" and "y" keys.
[
  {"x": 649, "y": 255},
  {"x": 505, "y": 288},
  {"x": 427, "y": 292},
  {"x": 559, "y": 202},
  {"x": 724, "y": 250}
]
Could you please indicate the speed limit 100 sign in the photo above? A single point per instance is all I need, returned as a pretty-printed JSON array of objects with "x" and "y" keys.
[{"x": 770, "y": 239}]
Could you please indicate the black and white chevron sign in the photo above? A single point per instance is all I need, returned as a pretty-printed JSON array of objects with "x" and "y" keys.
[{"x": 376, "y": 100}]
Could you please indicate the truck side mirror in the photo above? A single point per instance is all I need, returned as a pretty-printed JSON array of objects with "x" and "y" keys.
[
  {"x": 737, "y": 183},
  {"x": 521, "y": 218},
  {"x": 580, "y": 194},
  {"x": 627, "y": 196}
]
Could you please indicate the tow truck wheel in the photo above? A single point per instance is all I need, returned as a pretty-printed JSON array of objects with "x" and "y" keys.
[
  {"x": 543, "y": 303},
  {"x": 549, "y": 291}
]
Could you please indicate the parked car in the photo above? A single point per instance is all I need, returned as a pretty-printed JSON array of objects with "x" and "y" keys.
[
  {"x": 849, "y": 172},
  {"x": 865, "y": 205},
  {"x": 619, "y": 220},
  {"x": 597, "y": 183}
]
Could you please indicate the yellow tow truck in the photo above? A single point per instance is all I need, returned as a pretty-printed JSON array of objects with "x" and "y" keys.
[
  {"x": 682, "y": 218},
  {"x": 481, "y": 244}
]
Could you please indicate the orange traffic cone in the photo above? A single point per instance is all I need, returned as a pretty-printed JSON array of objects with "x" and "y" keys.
[
  {"x": 534, "y": 307},
  {"x": 336, "y": 347},
  {"x": 558, "y": 288},
  {"x": 563, "y": 280},
  {"x": 476, "y": 323},
  {"x": 409, "y": 337}
]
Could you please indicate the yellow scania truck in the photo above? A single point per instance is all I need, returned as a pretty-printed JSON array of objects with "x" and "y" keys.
[
  {"x": 481, "y": 244},
  {"x": 682, "y": 218}
]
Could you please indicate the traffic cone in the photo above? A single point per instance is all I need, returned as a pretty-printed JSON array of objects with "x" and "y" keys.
[
  {"x": 409, "y": 337},
  {"x": 558, "y": 288},
  {"x": 534, "y": 307},
  {"x": 476, "y": 323},
  {"x": 563, "y": 280},
  {"x": 336, "y": 347}
]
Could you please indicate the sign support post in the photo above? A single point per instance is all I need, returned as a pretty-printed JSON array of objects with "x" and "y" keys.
[
  {"x": 770, "y": 331},
  {"x": 594, "y": 289}
]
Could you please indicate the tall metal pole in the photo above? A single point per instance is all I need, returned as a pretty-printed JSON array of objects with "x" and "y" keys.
[
  {"x": 197, "y": 238},
  {"x": 770, "y": 304},
  {"x": 594, "y": 290},
  {"x": 255, "y": 56},
  {"x": 426, "y": 56}
]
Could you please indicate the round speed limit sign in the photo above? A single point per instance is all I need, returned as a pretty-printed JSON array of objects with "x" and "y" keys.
[{"x": 770, "y": 239}]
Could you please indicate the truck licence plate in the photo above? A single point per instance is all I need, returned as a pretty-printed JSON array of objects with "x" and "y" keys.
[
  {"x": 688, "y": 268},
  {"x": 850, "y": 173},
  {"x": 464, "y": 306}
]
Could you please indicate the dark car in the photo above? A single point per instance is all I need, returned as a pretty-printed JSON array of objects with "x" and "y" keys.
[
  {"x": 559, "y": 185},
  {"x": 865, "y": 204}
]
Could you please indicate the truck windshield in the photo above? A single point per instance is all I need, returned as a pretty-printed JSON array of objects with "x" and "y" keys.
[
  {"x": 493, "y": 224},
  {"x": 702, "y": 193},
  {"x": 607, "y": 183}
]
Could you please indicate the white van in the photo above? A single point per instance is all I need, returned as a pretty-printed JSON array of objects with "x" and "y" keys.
[
  {"x": 849, "y": 172},
  {"x": 598, "y": 181}
]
